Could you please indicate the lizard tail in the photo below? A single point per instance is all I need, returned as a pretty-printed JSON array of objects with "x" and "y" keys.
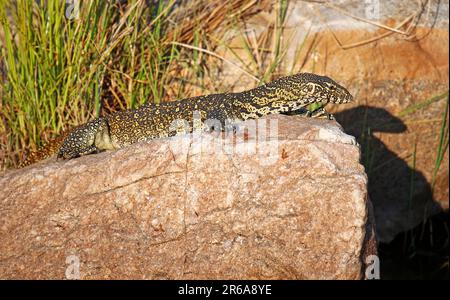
[{"x": 47, "y": 151}]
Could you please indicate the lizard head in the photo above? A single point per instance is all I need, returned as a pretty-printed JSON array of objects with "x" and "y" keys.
[{"x": 308, "y": 88}]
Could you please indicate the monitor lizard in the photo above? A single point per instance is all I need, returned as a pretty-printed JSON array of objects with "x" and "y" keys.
[{"x": 286, "y": 95}]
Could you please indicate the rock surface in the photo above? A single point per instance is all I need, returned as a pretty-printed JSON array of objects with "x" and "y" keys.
[{"x": 290, "y": 205}]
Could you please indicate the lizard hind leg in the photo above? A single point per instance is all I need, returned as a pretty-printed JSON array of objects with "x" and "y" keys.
[{"x": 81, "y": 141}]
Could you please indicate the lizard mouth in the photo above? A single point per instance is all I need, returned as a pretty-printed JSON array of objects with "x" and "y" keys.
[{"x": 348, "y": 98}]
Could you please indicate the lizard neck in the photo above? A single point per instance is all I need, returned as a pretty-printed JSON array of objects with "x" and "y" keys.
[{"x": 265, "y": 100}]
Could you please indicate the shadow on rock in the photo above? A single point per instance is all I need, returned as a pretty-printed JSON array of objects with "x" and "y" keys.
[{"x": 401, "y": 196}]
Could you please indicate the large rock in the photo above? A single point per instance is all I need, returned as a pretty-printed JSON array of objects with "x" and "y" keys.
[{"x": 292, "y": 204}]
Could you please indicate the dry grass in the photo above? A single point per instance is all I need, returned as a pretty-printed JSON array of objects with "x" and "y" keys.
[{"x": 62, "y": 72}]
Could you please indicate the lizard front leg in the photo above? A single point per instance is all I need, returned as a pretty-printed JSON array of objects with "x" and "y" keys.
[
  {"x": 320, "y": 113},
  {"x": 85, "y": 139}
]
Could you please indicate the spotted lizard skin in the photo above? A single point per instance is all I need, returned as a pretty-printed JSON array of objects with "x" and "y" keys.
[{"x": 286, "y": 95}]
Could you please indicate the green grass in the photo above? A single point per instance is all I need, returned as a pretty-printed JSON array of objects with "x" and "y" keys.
[
  {"x": 422, "y": 105},
  {"x": 444, "y": 129},
  {"x": 411, "y": 247},
  {"x": 57, "y": 67},
  {"x": 443, "y": 143},
  {"x": 60, "y": 72}
]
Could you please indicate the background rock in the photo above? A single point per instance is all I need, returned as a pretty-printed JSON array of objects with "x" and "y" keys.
[{"x": 292, "y": 205}]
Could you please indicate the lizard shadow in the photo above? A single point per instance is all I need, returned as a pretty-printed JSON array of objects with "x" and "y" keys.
[{"x": 401, "y": 196}]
